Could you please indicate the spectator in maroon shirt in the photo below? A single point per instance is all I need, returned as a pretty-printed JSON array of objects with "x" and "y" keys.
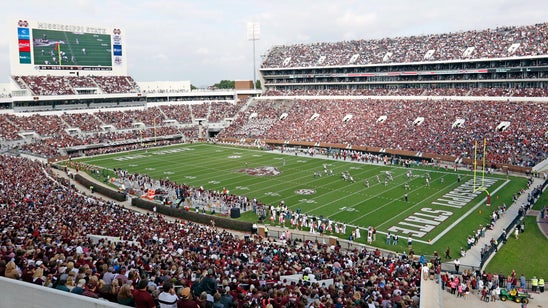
[{"x": 142, "y": 298}]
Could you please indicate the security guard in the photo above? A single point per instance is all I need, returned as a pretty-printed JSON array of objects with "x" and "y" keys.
[
  {"x": 541, "y": 284},
  {"x": 534, "y": 284}
]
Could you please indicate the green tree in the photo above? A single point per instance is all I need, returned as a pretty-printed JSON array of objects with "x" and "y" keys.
[{"x": 224, "y": 84}]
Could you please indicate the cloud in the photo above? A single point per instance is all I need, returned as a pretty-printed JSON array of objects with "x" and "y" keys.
[
  {"x": 202, "y": 51},
  {"x": 161, "y": 57},
  {"x": 205, "y": 41}
]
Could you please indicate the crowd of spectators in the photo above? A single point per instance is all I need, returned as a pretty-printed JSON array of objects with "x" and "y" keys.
[
  {"x": 49, "y": 147},
  {"x": 48, "y": 134},
  {"x": 121, "y": 119},
  {"x": 41, "y": 124},
  {"x": 45, "y": 241},
  {"x": 82, "y": 82},
  {"x": 256, "y": 119},
  {"x": 67, "y": 85},
  {"x": 221, "y": 110},
  {"x": 86, "y": 122},
  {"x": 180, "y": 112},
  {"x": 8, "y": 130},
  {"x": 475, "y": 44},
  {"x": 116, "y": 84},
  {"x": 429, "y": 91},
  {"x": 359, "y": 122},
  {"x": 446, "y": 127},
  {"x": 200, "y": 111},
  {"x": 485, "y": 285},
  {"x": 128, "y": 147},
  {"x": 47, "y": 85}
]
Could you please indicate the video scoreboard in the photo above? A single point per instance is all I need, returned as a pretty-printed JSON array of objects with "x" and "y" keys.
[{"x": 44, "y": 48}]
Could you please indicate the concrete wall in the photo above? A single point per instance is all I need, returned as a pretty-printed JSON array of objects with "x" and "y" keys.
[{"x": 15, "y": 293}]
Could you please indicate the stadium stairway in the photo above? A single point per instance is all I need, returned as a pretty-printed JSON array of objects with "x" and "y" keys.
[{"x": 473, "y": 256}]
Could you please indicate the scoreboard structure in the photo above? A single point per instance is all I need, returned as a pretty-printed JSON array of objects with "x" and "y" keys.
[{"x": 58, "y": 49}]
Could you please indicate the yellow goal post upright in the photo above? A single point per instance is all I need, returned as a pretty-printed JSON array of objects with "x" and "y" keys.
[{"x": 480, "y": 186}]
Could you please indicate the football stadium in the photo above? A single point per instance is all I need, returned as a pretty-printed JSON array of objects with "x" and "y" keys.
[{"x": 389, "y": 172}]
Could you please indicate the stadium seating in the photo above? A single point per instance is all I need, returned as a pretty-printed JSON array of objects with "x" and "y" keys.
[
  {"x": 45, "y": 221},
  {"x": 65, "y": 85},
  {"x": 522, "y": 144},
  {"x": 479, "y": 92},
  {"x": 46, "y": 225},
  {"x": 476, "y": 44}
]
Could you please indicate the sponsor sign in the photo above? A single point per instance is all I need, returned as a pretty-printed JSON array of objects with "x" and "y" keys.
[
  {"x": 24, "y": 58},
  {"x": 24, "y": 45},
  {"x": 117, "y": 50},
  {"x": 23, "y": 33}
]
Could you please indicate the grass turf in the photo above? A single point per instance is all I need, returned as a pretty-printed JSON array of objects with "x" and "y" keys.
[
  {"x": 524, "y": 255},
  {"x": 216, "y": 167}
]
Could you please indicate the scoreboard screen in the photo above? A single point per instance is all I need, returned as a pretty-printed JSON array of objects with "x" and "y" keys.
[
  {"x": 61, "y": 48},
  {"x": 45, "y": 48}
]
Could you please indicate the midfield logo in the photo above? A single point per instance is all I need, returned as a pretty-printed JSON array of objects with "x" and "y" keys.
[
  {"x": 305, "y": 191},
  {"x": 261, "y": 171}
]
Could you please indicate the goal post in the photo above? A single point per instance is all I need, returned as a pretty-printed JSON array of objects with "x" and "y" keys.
[{"x": 479, "y": 180}]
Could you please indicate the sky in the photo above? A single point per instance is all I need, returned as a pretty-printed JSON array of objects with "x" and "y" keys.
[{"x": 205, "y": 41}]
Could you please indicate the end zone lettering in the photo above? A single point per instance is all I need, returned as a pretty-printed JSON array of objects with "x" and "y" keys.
[
  {"x": 462, "y": 195},
  {"x": 421, "y": 222}
]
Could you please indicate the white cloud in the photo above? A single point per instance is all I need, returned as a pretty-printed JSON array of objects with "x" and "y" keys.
[
  {"x": 202, "y": 51},
  {"x": 160, "y": 57},
  {"x": 205, "y": 41}
]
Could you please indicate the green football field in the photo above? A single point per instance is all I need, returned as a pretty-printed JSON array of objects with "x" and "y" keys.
[
  {"x": 436, "y": 216},
  {"x": 83, "y": 49}
]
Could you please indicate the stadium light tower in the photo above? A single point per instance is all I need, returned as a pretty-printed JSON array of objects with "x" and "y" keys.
[{"x": 253, "y": 34}]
